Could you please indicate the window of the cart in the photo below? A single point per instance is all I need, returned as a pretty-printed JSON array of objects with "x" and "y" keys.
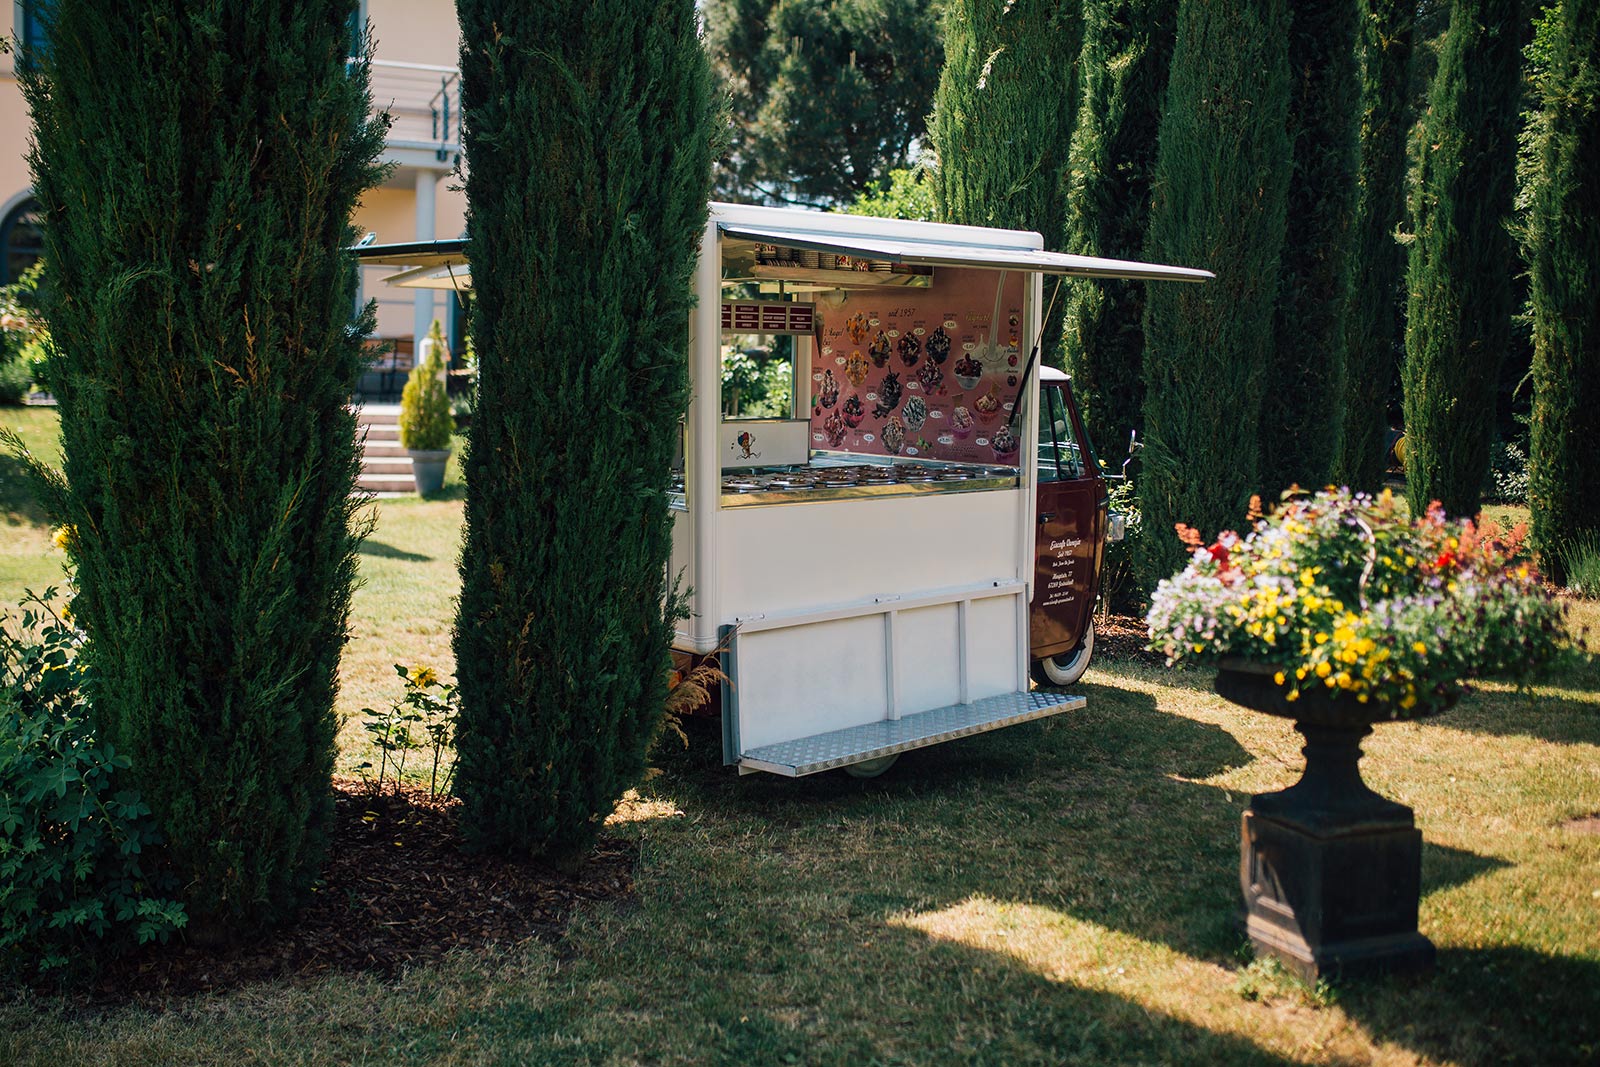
[{"x": 901, "y": 378}]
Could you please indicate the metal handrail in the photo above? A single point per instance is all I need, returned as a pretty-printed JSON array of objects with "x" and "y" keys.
[{"x": 410, "y": 91}]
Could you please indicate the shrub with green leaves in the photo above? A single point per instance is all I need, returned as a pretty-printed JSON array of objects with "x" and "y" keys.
[
  {"x": 425, "y": 418},
  {"x": 74, "y": 876},
  {"x": 203, "y": 355},
  {"x": 584, "y": 226}
]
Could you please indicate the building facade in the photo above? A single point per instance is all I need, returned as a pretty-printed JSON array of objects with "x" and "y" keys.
[{"x": 414, "y": 79}]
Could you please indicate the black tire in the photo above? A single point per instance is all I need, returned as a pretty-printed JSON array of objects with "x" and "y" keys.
[{"x": 1068, "y": 668}]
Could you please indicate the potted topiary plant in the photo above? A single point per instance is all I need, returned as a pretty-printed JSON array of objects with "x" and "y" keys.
[
  {"x": 425, "y": 418},
  {"x": 1340, "y": 612}
]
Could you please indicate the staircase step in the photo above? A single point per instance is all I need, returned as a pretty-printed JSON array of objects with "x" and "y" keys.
[
  {"x": 386, "y": 450},
  {"x": 383, "y": 434},
  {"x": 386, "y": 465},
  {"x": 380, "y": 483}
]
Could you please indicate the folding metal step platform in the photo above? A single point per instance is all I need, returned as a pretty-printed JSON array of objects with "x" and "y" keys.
[{"x": 857, "y": 744}]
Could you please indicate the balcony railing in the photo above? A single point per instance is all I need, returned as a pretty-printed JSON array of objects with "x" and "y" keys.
[{"x": 423, "y": 102}]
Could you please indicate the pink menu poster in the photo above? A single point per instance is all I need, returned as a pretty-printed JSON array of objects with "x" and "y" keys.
[{"x": 912, "y": 372}]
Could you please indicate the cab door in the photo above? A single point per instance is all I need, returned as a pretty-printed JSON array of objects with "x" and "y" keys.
[{"x": 1070, "y": 538}]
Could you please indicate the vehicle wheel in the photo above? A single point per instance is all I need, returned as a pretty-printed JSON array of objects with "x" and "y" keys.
[
  {"x": 1066, "y": 669},
  {"x": 873, "y": 767}
]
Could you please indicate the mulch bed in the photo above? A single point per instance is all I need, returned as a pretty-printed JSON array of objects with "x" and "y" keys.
[
  {"x": 1122, "y": 638},
  {"x": 397, "y": 890}
]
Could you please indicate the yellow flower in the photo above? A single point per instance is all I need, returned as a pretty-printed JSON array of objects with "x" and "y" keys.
[
  {"x": 64, "y": 537},
  {"x": 1323, "y": 670},
  {"x": 1420, "y": 649},
  {"x": 1277, "y": 679},
  {"x": 422, "y": 677},
  {"x": 1293, "y": 694}
]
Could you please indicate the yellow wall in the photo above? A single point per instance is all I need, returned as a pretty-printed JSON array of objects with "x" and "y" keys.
[{"x": 14, "y": 177}]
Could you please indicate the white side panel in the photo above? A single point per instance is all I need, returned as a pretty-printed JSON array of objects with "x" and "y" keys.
[
  {"x": 800, "y": 556},
  {"x": 992, "y": 670},
  {"x": 807, "y": 680},
  {"x": 771, "y": 442},
  {"x": 927, "y": 659}
]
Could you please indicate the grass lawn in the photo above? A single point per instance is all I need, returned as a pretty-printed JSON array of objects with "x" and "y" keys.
[{"x": 1060, "y": 892}]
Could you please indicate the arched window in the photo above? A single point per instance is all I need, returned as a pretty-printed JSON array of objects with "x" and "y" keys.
[{"x": 21, "y": 241}]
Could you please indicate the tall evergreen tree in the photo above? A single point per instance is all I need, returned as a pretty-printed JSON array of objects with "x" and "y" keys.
[
  {"x": 1303, "y": 415},
  {"x": 588, "y": 128},
  {"x": 1458, "y": 321},
  {"x": 827, "y": 96},
  {"x": 1127, "y": 49},
  {"x": 1002, "y": 117},
  {"x": 1219, "y": 194},
  {"x": 198, "y": 162},
  {"x": 1564, "y": 257},
  {"x": 1373, "y": 333}
]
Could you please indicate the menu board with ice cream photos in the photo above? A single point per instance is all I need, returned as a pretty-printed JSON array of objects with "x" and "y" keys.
[{"x": 912, "y": 373}]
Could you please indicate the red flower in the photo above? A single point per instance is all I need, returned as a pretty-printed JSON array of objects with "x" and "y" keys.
[
  {"x": 1219, "y": 555},
  {"x": 1446, "y": 560}
]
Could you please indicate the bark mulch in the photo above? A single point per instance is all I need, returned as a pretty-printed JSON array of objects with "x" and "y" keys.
[
  {"x": 397, "y": 890},
  {"x": 1122, "y": 638}
]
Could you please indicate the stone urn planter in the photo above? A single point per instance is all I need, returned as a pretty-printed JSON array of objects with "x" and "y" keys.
[
  {"x": 1331, "y": 871},
  {"x": 427, "y": 468}
]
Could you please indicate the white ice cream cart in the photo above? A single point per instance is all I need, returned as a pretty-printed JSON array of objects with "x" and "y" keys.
[{"x": 863, "y": 559}]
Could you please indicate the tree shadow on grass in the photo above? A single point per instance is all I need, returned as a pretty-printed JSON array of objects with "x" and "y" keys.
[
  {"x": 1501, "y": 1005},
  {"x": 18, "y": 506},
  {"x": 1094, "y": 813},
  {"x": 371, "y": 547},
  {"x": 1567, "y": 716}
]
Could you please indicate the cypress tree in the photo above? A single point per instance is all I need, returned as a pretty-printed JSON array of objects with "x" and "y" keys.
[
  {"x": 1458, "y": 320},
  {"x": 588, "y": 130},
  {"x": 1303, "y": 415},
  {"x": 1127, "y": 48},
  {"x": 1378, "y": 261},
  {"x": 198, "y": 163},
  {"x": 1218, "y": 196},
  {"x": 1564, "y": 257},
  {"x": 1002, "y": 116}
]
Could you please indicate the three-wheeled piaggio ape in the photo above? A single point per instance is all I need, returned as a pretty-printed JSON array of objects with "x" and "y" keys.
[{"x": 883, "y": 564}]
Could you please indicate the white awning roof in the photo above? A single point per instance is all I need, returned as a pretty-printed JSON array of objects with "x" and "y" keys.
[{"x": 930, "y": 253}]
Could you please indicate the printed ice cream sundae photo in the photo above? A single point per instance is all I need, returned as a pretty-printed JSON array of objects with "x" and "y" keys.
[
  {"x": 961, "y": 423},
  {"x": 968, "y": 371},
  {"x": 879, "y": 350},
  {"x": 1004, "y": 443},
  {"x": 855, "y": 369},
  {"x": 830, "y": 390},
  {"x": 894, "y": 435},
  {"x": 910, "y": 350},
  {"x": 931, "y": 377},
  {"x": 915, "y": 413},
  {"x": 888, "y": 395},
  {"x": 853, "y": 410},
  {"x": 938, "y": 346},
  {"x": 987, "y": 407}
]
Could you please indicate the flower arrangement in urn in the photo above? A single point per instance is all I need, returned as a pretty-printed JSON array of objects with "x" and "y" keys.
[
  {"x": 1343, "y": 594},
  {"x": 1339, "y": 611}
]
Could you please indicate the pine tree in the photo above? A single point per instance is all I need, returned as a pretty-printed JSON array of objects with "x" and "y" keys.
[
  {"x": 1302, "y": 416},
  {"x": 1002, "y": 117},
  {"x": 1458, "y": 320},
  {"x": 1564, "y": 260},
  {"x": 826, "y": 96},
  {"x": 588, "y": 128},
  {"x": 1219, "y": 194},
  {"x": 198, "y": 163},
  {"x": 1127, "y": 49},
  {"x": 1378, "y": 261}
]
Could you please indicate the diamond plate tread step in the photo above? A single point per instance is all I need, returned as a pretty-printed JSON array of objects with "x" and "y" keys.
[{"x": 856, "y": 744}]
